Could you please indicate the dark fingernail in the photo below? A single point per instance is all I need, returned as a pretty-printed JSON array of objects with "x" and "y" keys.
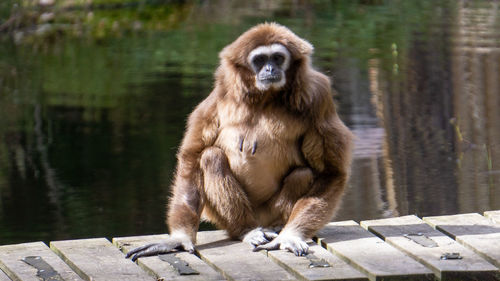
[{"x": 241, "y": 143}]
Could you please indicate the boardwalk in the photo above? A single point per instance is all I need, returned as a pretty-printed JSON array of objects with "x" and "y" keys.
[{"x": 456, "y": 247}]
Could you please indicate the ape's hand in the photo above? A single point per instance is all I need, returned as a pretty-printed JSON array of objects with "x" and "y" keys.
[
  {"x": 288, "y": 241},
  {"x": 259, "y": 236},
  {"x": 172, "y": 243}
]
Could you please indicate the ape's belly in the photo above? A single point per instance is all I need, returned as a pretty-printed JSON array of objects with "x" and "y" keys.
[{"x": 259, "y": 161}]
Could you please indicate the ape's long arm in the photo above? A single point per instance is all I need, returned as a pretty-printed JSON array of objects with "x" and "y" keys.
[{"x": 327, "y": 150}]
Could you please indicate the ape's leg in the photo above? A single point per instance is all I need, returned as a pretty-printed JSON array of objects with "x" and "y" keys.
[
  {"x": 183, "y": 220},
  {"x": 295, "y": 185},
  {"x": 226, "y": 203},
  {"x": 308, "y": 214},
  {"x": 223, "y": 199}
]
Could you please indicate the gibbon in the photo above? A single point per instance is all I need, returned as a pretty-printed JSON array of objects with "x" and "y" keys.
[{"x": 264, "y": 151}]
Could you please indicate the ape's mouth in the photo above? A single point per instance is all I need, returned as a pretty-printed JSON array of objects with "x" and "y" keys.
[
  {"x": 270, "y": 79},
  {"x": 266, "y": 82}
]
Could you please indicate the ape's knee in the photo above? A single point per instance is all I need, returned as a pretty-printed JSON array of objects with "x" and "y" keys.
[
  {"x": 214, "y": 160},
  {"x": 300, "y": 177}
]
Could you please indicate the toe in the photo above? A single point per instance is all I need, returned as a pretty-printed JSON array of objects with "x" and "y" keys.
[
  {"x": 270, "y": 235},
  {"x": 137, "y": 250},
  {"x": 188, "y": 247},
  {"x": 269, "y": 246}
]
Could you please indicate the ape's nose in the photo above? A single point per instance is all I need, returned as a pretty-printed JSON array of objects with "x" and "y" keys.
[{"x": 269, "y": 69}]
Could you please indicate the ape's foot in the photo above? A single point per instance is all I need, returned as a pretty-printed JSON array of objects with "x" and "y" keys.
[{"x": 171, "y": 244}]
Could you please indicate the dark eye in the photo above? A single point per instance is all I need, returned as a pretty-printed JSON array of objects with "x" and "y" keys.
[
  {"x": 259, "y": 61},
  {"x": 278, "y": 58}
]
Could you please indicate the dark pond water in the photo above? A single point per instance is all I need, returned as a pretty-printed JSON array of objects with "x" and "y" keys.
[{"x": 92, "y": 110}]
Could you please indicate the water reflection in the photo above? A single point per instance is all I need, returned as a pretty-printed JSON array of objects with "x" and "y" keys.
[
  {"x": 437, "y": 101},
  {"x": 475, "y": 74},
  {"x": 89, "y": 123}
]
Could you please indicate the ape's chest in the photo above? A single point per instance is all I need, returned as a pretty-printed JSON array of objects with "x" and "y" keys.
[
  {"x": 261, "y": 152},
  {"x": 262, "y": 136}
]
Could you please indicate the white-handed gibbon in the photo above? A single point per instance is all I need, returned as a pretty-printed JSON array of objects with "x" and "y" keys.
[{"x": 265, "y": 150}]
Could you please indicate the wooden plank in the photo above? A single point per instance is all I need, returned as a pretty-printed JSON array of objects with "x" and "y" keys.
[
  {"x": 300, "y": 266},
  {"x": 3, "y": 276},
  {"x": 161, "y": 269},
  {"x": 494, "y": 216},
  {"x": 370, "y": 254},
  {"x": 427, "y": 245},
  {"x": 236, "y": 260},
  {"x": 11, "y": 262},
  {"x": 97, "y": 259},
  {"x": 473, "y": 231}
]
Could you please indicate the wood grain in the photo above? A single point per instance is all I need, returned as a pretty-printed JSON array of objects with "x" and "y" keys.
[
  {"x": 473, "y": 231},
  {"x": 470, "y": 267},
  {"x": 236, "y": 260},
  {"x": 3, "y": 276},
  {"x": 370, "y": 254},
  {"x": 299, "y": 266},
  {"x": 494, "y": 216},
  {"x": 161, "y": 269},
  {"x": 11, "y": 262},
  {"x": 98, "y": 259}
]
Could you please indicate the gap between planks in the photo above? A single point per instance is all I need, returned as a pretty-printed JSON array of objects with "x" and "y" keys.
[
  {"x": 284, "y": 265},
  {"x": 423, "y": 243}
]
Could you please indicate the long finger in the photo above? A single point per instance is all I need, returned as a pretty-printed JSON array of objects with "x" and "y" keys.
[
  {"x": 138, "y": 249},
  {"x": 270, "y": 235},
  {"x": 298, "y": 250},
  {"x": 189, "y": 247},
  {"x": 269, "y": 246},
  {"x": 155, "y": 249}
]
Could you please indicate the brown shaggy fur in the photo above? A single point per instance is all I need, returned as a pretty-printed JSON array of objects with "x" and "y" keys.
[{"x": 251, "y": 158}]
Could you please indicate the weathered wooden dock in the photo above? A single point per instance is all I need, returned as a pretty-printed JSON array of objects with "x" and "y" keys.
[{"x": 456, "y": 247}]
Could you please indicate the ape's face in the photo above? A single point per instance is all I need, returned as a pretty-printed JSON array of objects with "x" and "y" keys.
[{"x": 269, "y": 63}]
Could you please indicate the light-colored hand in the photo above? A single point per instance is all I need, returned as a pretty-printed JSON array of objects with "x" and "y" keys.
[
  {"x": 259, "y": 236},
  {"x": 288, "y": 241}
]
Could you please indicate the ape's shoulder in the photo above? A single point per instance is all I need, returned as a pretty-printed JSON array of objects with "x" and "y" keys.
[{"x": 319, "y": 95}]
